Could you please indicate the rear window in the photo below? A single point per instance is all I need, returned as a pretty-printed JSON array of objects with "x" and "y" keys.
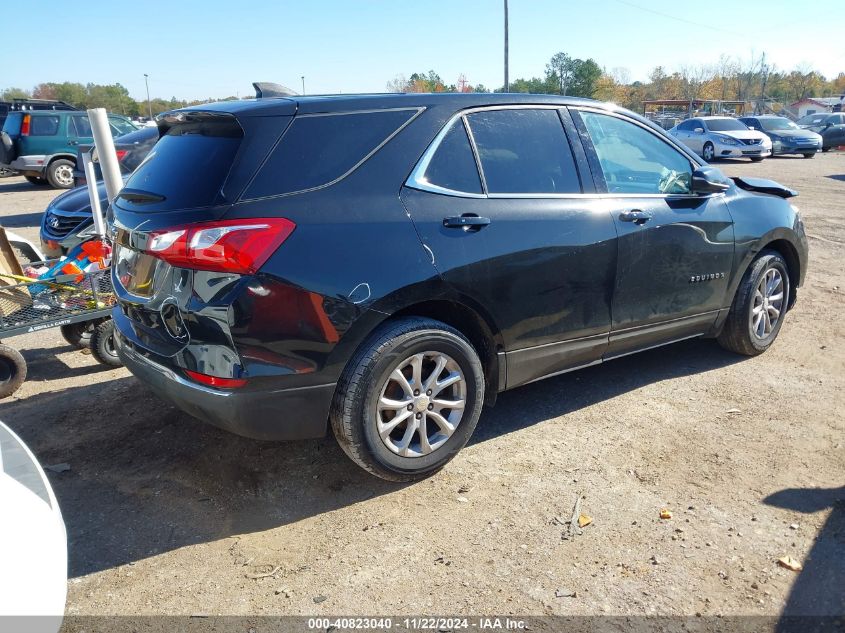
[
  {"x": 80, "y": 126},
  {"x": 319, "y": 149},
  {"x": 44, "y": 126},
  {"x": 12, "y": 124},
  {"x": 187, "y": 167}
]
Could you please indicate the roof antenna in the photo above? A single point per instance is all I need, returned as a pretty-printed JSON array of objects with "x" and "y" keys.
[{"x": 267, "y": 89}]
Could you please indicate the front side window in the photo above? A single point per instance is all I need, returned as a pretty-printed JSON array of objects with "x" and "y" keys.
[
  {"x": 634, "y": 160},
  {"x": 524, "y": 151},
  {"x": 44, "y": 126},
  {"x": 453, "y": 164}
]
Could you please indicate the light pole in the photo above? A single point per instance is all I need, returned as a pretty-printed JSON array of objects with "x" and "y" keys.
[
  {"x": 303, "y": 84},
  {"x": 149, "y": 103},
  {"x": 507, "y": 84}
]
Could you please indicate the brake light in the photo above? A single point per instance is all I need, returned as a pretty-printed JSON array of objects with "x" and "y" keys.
[
  {"x": 228, "y": 246},
  {"x": 214, "y": 381},
  {"x": 25, "y": 125},
  {"x": 121, "y": 153}
]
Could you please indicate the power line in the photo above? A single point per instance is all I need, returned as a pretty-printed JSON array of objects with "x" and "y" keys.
[{"x": 678, "y": 19}]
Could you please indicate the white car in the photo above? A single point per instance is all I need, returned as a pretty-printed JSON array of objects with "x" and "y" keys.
[
  {"x": 714, "y": 137},
  {"x": 33, "y": 541}
]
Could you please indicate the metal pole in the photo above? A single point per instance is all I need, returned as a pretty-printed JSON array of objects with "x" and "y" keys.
[
  {"x": 149, "y": 104},
  {"x": 93, "y": 195},
  {"x": 507, "y": 83},
  {"x": 104, "y": 143},
  {"x": 303, "y": 84}
]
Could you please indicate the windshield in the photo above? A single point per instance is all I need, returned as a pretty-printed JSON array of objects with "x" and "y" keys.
[
  {"x": 812, "y": 119},
  {"x": 780, "y": 123},
  {"x": 725, "y": 125}
]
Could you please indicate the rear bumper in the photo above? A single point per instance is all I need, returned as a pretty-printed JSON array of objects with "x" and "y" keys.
[
  {"x": 284, "y": 414},
  {"x": 33, "y": 163}
]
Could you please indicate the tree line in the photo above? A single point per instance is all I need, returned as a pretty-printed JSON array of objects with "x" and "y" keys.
[
  {"x": 114, "y": 98},
  {"x": 728, "y": 79}
]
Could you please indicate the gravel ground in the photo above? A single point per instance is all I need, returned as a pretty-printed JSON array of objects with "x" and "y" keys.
[{"x": 166, "y": 515}]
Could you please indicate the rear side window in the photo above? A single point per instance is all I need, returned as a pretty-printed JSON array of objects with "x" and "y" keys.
[
  {"x": 186, "y": 168},
  {"x": 453, "y": 164},
  {"x": 80, "y": 126},
  {"x": 44, "y": 126},
  {"x": 524, "y": 151},
  {"x": 318, "y": 149},
  {"x": 120, "y": 126}
]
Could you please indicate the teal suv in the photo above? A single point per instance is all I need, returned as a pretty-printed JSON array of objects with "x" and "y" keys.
[{"x": 42, "y": 145}]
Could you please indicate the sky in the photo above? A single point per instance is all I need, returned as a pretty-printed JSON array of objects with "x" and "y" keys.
[{"x": 217, "y": 48}]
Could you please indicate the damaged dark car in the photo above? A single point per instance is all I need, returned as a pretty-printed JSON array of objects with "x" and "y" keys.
[{"x": 384, "y": 265}]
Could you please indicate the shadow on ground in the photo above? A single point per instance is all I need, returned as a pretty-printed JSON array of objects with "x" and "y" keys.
[
  {"x": 9, "y": 186},
  {"x": 22, "y": 220},
  {"x": 146, "y": 478},
  {"x": 819, "y": 590}
]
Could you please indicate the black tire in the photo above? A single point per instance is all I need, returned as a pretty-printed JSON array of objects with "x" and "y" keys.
[
  {"x": 813, "y": 155},
  {"x": 60, "y": 174},
  {"x": 712, "y": 151},
  {"x": 738, "y": 333},
  {"x": 757, "y": 159},
  {"x": 354, "y": 414},
  {"x": 825, "y": 149},
  {"x": 12, "y": 370},
  {"x": 79, "y": 334},
  {"x": 102, "y": 344},
  {"x": 35, "y": 180}
]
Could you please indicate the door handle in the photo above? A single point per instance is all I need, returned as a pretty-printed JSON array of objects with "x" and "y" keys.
[
  {"x": 636, "y": 216},
  {"x": 73, "y": 142},
  {"x": 467, "y": 221}
]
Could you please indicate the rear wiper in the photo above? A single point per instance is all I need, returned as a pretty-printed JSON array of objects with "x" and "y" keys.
[{"x": 139, "y": 197}]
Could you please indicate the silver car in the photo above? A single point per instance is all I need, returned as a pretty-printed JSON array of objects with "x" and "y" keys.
[{"x": 714, "y": 137}]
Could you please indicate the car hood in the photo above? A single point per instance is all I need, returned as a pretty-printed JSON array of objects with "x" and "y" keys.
[
  {"x": 794, "y": 133},
  {"x": 743, "y": 134},
  {"x": 77, "y": 199}
]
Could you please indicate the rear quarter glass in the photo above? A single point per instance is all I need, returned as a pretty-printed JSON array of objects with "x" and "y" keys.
[
  {"x": 318, "y": 149},
  {"x": 187, "y": 167}
]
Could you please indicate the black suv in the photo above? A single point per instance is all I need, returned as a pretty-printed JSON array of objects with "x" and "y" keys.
[{"x": 389, "y": 263}]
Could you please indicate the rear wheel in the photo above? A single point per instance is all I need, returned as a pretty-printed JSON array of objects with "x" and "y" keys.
[
  {"x": 813, "y": 155},
  {"x": 409, "y": 399},
  {"x": 60, "y": 174},
  {"x": 102, "y": 344},
  {"x": 759, "y": 306},
  {"x": 35, "y": 180},
  {"x": 708, "y": 152},
  {"x": 79, "y": 334},
  {"x": 12, "y": 370}
]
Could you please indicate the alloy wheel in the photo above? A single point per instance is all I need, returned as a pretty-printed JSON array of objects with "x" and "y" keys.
[
  {"x": 768, "y": 303},
  {"x": 421, "y": 404},
  {"x": 708, "y": 152}
]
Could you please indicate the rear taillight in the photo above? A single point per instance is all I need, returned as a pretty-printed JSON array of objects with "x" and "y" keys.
[
  {"x": 228, "y": 246},
  {"x": 25, "y": 125},
  {"x": 214, "y": 381},
  {"x": 121, "y": 153}
]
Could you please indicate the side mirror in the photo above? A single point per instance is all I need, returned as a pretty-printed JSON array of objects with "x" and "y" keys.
[
  {"x": 707, "y": 180},
  {"x": 699, "y": 130}
]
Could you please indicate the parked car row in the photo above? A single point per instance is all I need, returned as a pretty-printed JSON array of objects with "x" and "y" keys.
[
  {"x": 42, "y": 144},
  {"x": 756, "y": 137}
]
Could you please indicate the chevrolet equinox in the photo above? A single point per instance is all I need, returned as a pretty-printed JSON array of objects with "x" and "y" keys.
[{"x": 386, "y": 264}]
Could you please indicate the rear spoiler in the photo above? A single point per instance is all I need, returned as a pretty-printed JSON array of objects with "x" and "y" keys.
[
  {"x": 762, "y": 185},
  {"x": 267, "y": 89}
]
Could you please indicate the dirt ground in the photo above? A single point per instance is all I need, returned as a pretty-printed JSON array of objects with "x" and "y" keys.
[{"x": 166, "y": 515}]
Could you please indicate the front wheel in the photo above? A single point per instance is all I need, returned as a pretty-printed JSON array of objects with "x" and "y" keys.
[
  {"x": 757, "y": 159},
  {"x": 409, "y": 399},
  {"x": 709, "y": 152},
  {"x": 759, "y": 306},
  {"x": 813, "y": 155}
]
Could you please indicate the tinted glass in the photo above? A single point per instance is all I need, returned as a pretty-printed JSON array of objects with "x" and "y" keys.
[
  {"x": 187, "y": 167},
  {"x": 453, "y": 165},
  {"x": 524, "y": 151},
  {"x": 121, "y": 126},
  {"x": 779, "y": 123},
  {"x": 317, "y": 150},
  {"x": 725, "y": 125},
  {"x": 687, "y": 126},
  {"x": 635, "y": 160},
  {"x": 44, "y": 126},
  {"x": 80, "y": 126}
]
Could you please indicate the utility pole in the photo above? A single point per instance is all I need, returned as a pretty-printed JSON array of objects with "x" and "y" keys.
[
  {"x": 149, "y": 103},
  {"x": 507, "y": 83},
  {"x": 303, "y": 84}
]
